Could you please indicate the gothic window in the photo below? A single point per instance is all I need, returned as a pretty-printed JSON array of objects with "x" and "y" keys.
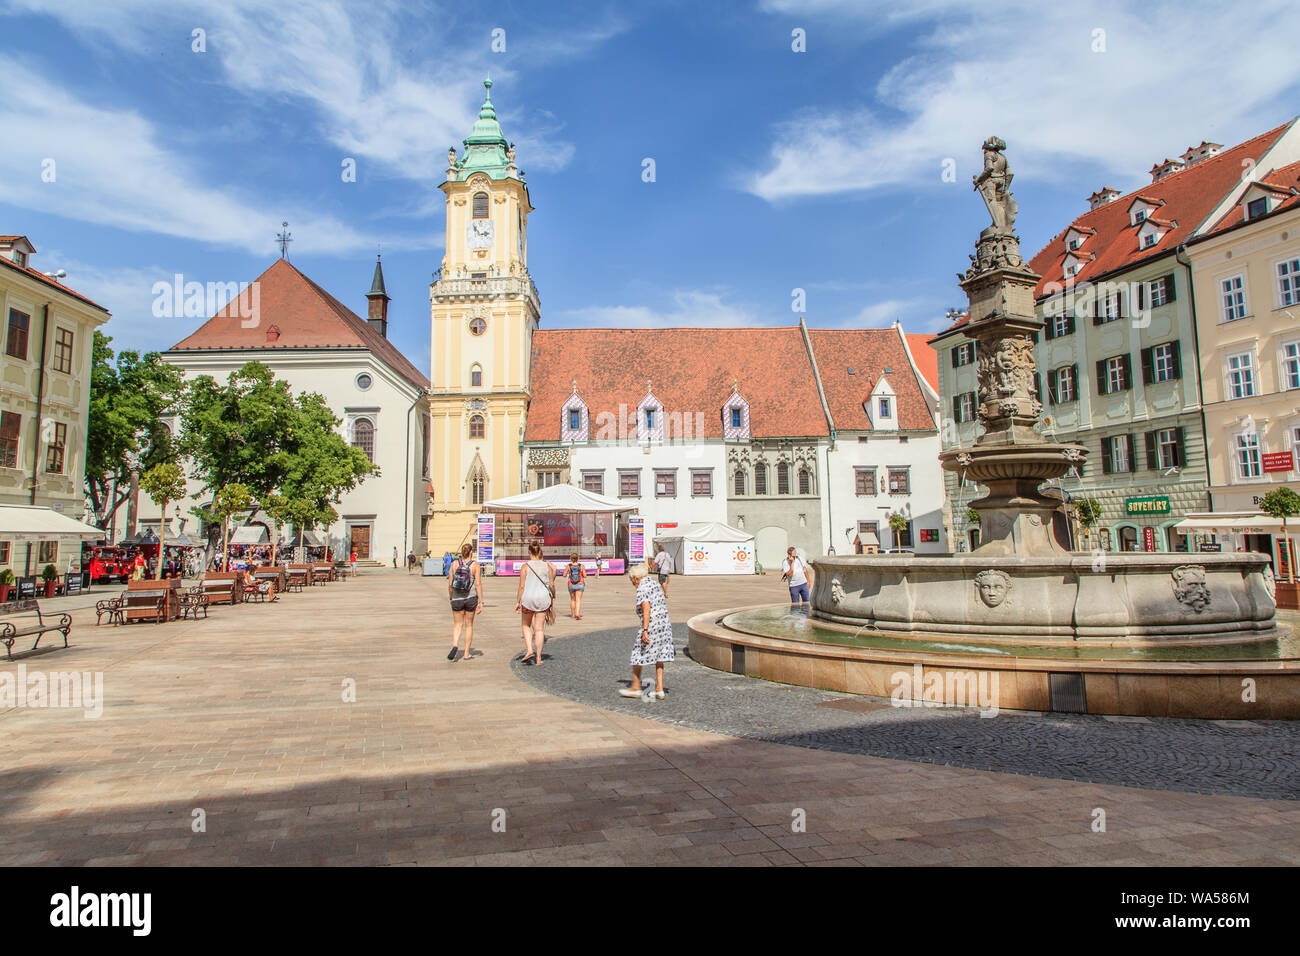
[
  {"x": 480, "y": 205},
  {"x": 363, "y": 436},
  {"x": 476, "y": 376},
  {"x": 478, "y": 486},
  {"x": 783, "y": 479},
  {"x": 805, "y": 482},
  {"x": 740, "y": 482},
  {"x": 760, "y": 479},
  {"x": 476, "y": 426}
]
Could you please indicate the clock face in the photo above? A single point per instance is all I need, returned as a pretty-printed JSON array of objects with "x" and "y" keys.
[{"x": 478, "y": 234}]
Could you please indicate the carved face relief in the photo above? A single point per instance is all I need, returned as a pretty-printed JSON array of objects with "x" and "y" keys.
[
  {"x": 837, "y": 591},
  {"x": 992, "y": 586},
  {"x": 1190, "y": 587},
  {"x": 1270, "y": 583}
]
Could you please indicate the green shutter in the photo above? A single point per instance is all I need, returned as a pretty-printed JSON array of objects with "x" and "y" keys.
[
  {"x": 1180, "y": 457},
  {"x": 1148, "y": 366},
  {"x": 1178, "y": 359},
  {"x": 1051, "y": 387},
  {"x": 1107, "y": 464},
  {"x": 1169, "y": 287},
  {"x": 1102, "y": 384},
  {"x": 1152, "y": 461}
]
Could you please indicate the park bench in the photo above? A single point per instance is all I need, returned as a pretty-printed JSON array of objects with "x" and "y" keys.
[
  {"x": 273, "y": 573},
  {"x": 158, "y": 601},
  {"x": 322, "y": 573},
  {"x": 303, "y": 572},
  {"x": 112, "y": 607},
  {"x": 11, "y": 630},
  {"x": 193, "y": 601},
  {"x": 222, "y": 587},
  {"x": 295, "y": 578},
  {"x": 254, "y": 590}
]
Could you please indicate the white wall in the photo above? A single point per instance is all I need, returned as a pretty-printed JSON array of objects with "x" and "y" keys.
[{"x": 924, "y": 502}]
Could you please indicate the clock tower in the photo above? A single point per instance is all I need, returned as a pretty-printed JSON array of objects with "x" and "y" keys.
[{"x": 484, "y": 313}]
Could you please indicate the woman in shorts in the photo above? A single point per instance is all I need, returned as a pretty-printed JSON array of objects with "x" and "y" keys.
[
  {"x": 576, "y": 577},
  {"x": 534, "y": 600},
  {"x": 465, "y": 589}
]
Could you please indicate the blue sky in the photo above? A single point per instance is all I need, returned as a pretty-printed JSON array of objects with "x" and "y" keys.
[{"x": 775, "y": 170}]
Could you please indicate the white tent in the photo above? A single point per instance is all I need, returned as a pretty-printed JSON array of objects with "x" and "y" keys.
[
  {"x": 250, "y": 534},
  {"x": 36, "y": 523},
  {"x": 558, "y": 498},
  {"x": 711, "y": 548}
]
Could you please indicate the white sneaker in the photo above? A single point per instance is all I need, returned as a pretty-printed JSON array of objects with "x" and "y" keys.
[{"x": 629, "y": 692}]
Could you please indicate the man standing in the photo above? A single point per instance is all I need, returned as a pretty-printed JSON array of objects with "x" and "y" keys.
[
  {"x": 663, "y": 565},
  {"x": 797, "y": 575},
  {"x": 394, "y": 557}
]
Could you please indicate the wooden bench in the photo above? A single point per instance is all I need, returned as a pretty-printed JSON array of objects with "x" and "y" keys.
[
  {"x": 112, "y": 607},
  {"x": 253, "y": 590},
  {"x": 158, "y": 601},
  {"x": 10, "y": 630},
  {"x": 221, "y": 587},
  {"x": 301, "y": 572},
  {"x": 322, "y": 574},
  {"x": 273, "y": 573}
]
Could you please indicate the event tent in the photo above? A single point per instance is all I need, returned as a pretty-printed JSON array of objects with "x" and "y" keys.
[
  {"x": 568, "y": 498},
  {"x": 36, "y": 523},
  {"x": 711, "y": 548}
]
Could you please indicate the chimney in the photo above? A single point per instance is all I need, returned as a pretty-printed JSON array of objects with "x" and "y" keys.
[
  {"x": 377, "y": 313},
  {"x": 1160, "y": 170},
  {"x": 1104, "y": 195}
]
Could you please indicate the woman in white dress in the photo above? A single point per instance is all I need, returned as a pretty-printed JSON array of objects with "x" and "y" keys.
[
  {"x": 654, "y": 640},
  {"x": 533, "y": 602}
]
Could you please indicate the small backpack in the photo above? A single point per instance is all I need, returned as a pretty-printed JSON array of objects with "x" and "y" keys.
[
  {"x": 462, "y": 579},
  {"x": 575, "y": 574}
]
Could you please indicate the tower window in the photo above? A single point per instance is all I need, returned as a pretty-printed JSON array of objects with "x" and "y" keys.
[
  {"x": 476, "y": 377},
  {"x": 363, "y": 437},
  {"x": 480, "y": 205},
  {"x": 477, "y": 325},
  {"x": 476, "y": 426}
]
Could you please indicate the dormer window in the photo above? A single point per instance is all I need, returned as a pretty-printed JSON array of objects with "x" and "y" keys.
[
  {"x": 20, "y": 258},
  {"x": 650, "y": 419},
  {"x": 1139, "y": 215},
  {"x": 735, "y": 417},
  {"x": 574, "y": 418},
  {"x": 885, "y": 406},
  {"x": 1075, "y": 243},
  {"x": 1257, "y": 207},
  {"x": 1148, "y": 240}
]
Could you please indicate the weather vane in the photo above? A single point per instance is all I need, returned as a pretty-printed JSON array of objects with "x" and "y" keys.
[{"x": 284, "y": 238}]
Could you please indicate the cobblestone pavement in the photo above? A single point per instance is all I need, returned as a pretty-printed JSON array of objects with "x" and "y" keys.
[
  {"x": 330, "y": 728},
  {"x": 1244, "y": 758}
]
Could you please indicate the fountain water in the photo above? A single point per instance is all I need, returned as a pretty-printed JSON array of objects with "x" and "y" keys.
[{"x": 1144, "y": 633}]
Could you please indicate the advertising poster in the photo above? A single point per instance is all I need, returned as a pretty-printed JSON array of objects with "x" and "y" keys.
[
  {"x": 486, "y": 536},
  {"x": 635, "y": 539},
  {"x": 718, "y": 557}
]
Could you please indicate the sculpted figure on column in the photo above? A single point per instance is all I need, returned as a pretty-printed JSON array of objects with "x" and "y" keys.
[{"x": 994, "y": 185}]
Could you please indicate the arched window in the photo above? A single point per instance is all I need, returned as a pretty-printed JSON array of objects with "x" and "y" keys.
[
  {"x": 363, "y": 436},
  {"x": 760, "y": 479},
  {"x": 477, "y": 483},
  {"x": 476, "y": 426},
  {"x": 475, "y": 376},
  {"x": 805, "y": 482},
  {"x": 480, "y": 205},
  {"x": 740, "y": 482},
  {"x": 783, "y": 479}
]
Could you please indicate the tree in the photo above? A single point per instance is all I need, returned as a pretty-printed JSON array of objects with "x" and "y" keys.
[
  {"x": 231, "y": 499},
  {"x": 1283, "y": 503},
  {"x": 1087, "y": 512},
  {"x": 164, "y": 483},
  {"x": 128, "y": 400},
  {"x": 898, "y": 524},
  {"x": 973, "y": 517}
]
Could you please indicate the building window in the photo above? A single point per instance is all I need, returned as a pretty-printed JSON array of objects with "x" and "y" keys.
[
  {"x": 650, "y": 419},
  {"x": 1061, "y": 325},
  {"x": 477, "y": 325},
  {"x": 783, "y": 478},
  {"x": 1288, "y": 282},
  {"x": 1065, "y": 384},
  {"x": 4, "y": 552},
  {"x": 1120, "y": 460},
  {"x": 480, "y": 205},
  {"x": 885, "y": 408},
  {"x": 963, "y": 354},
  {"x": 737, "y": 417},
  {"x": 864, "y": 481},
  {"x": 1110, "y": 307},
  {"x": 16, "y": 345},
  {"x": 702, "y": 483},
  {"x": 1295, "y": 452},
  {"x": 899, "y": 483},
  {"x": 1149, "y": 240},
  {"x": 1257, "y": 207},
  {"x": 47, "y": 552},
  {"x": 575, "y": 419},
  {"x": 1291, "y": 365},
  {"x": 666, "y": 484},
  {"x": 964, "y": 410},
  {"x": 9, "y": 425},
  {"x": 1162, "y": 363},
  {"x": 593, "y": 481},
  {"x": 805, "y": 482},
  {"x": 629, "y": 484},
  {"x": 547, "y": 479},
  {"x": 364, "y": 381},
  {"x": 1139, "y": 215},
  {"x": 1167, "y": 448},
  {"x": 363, "y": 437},
  {"x": 1117, "y": 374},
  {"x": 738, "y": 486},
  {"x": 1241, "y": 375},
  {"x": 760, "y": 479},
  {"x": 478, "y": 486},
  {"x": 477, "y": 427},
  {"x": 1159, "y": 291},
  {"x": 63, "y": 351},
  {"x": 54, "y": 453},
  {"x": 1248, "y": 460},
  {"x": 476, "y": 377},
  {"x": 1234, "y": 299}
]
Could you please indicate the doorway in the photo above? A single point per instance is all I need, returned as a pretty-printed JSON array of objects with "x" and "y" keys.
[
  {"x": 360, "y": 540},
  {"x": 1128, "y": 538}
]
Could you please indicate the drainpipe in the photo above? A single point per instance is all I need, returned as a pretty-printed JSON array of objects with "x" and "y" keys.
[
  {"x": 830, "y": 425},
  {"x": 40, "y": 401},
  {"x": 1180, "y": 255},
  {"x": 406, "y": 492}
]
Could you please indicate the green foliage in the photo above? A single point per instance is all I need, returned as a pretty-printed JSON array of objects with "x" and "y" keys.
[
  {"x": 323, "y": 466},
  {"x": 49, "y": 573},
  {"x": 164, "y": 483},
  {"x": 128, "y": 399},
  {"x": 7, "y": 577},
  {"x": 1088, "y": 512},
  {"x": 972, "y": 517},
  {"x": 897, "y": 522},
  {"x": 232, "y": 499},
  {"x": 1280, "y": 503}
]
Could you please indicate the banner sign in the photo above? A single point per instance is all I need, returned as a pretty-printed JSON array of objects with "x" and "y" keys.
[
  {"x": 486, "y": 537},
  {"x": 719, "y": 557},
  {"x": 1278, "y": 461},
  {"x": 1152, "y": 505},
  {"x": 72, "y": 584},
  {"x": 636, "y": 539},
  {"x": 1148, "y": 539}
]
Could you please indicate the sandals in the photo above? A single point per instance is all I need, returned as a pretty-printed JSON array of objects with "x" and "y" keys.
[{"x": 451, "y": 654}]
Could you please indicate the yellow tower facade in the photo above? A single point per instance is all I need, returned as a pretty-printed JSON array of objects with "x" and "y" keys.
[{"x": 485, "y": 310}]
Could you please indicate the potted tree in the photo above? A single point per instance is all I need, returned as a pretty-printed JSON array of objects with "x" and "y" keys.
[
  {"x": 49, "y": 575},
  {"x": 6, "y": 584},
  {"x": 1087, "y": 512},
  {"x": 164, "y": 483},
  {"x": 898, "y": 524},
  {"x": 1284, "y": 503}
]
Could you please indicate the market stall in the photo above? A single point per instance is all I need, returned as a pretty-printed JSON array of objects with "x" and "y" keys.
[
  {"x": 33, "y": 530},
  {"x": 563, "y": 519},
  {"x": 711, "y": 548}
]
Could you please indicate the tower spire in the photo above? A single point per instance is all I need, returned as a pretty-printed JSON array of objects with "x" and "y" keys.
[{"x": 377, "y": 312}]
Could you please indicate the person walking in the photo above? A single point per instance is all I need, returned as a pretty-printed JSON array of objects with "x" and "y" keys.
[
  {"x": 534, "y": 602},
  {"x": 410, "y": 562},
  {"x": 394, "y": 557},
  {"x": 654, "y": 640},
  {"x": 664, "y": 567},
  {"x": 465, "y": 591},
  {"x": 576, "y": 575},
  {"x": 797, "y": 575},
  {"x": 352, "y": 560}
]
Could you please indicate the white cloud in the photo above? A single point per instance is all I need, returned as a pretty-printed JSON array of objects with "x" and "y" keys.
[
  {"x": 1029, "y": 74},
  {"x": 685, "y": 307}
]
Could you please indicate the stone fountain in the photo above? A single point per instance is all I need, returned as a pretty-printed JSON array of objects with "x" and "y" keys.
[{"x": 1115, "y": 633}]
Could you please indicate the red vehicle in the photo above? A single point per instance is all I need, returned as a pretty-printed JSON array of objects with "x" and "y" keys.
[{"x": 109, "y": 564}]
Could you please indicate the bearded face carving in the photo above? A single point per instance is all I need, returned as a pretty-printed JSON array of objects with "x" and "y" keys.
[{"x": 1190, "y": 588}]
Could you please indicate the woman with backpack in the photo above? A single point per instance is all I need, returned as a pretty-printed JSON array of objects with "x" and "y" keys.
[
  {"x": 465, "y": 588},
  {"x": 535, "y": 602},
  {"x": 576, "y": 575}
]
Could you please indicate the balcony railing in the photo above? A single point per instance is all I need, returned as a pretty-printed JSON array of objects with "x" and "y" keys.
[{"x": 487, "y": 286}]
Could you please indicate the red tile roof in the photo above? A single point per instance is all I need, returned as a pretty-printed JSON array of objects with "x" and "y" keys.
[
  {"x": 1280, "y": 182},
  {"x": 927, "y": 359},
  {"x": 689, "y": 370},
  {"x": 43, "y": 278},
  {"x": 1189, "y": 196},
  {"x": 869, "y": 352},
  {"x": 306, "y": 317}
]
